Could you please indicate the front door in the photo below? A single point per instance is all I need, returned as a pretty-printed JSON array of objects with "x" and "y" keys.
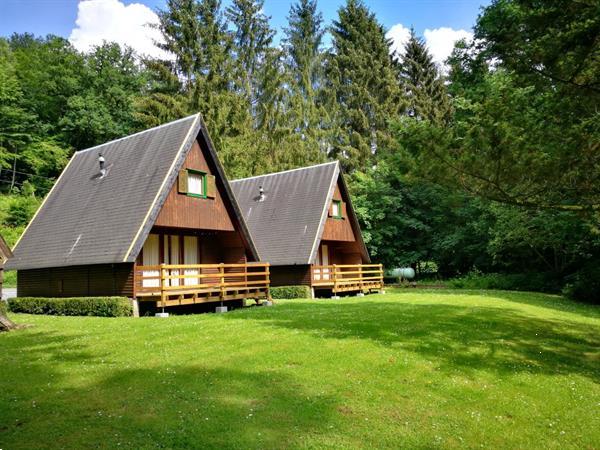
[
  {"x": 190, "y": 256},
  {"x": 151, "y": 257},
  {"x": 322, "y": 273},
  {"x": 325, "y": 260}
]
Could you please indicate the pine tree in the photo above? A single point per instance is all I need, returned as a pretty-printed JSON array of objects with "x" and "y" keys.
[
  {"x": 304, "y": 63},
  {"x": 304, "y": 37},
  {"x": 252, "y": 37},
  {"x": 421, "y": 83},
  {"x": 195, "y": 32},
  {"x": 363, "y": 81}
]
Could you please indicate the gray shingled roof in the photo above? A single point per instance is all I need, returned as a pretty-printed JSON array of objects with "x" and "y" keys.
[
  {"x": 86, "y": 219},
  {"x": 287, "y": 226}
]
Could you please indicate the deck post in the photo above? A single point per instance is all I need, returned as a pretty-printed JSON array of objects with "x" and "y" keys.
[
  {"x": 162, "y": 285},
  {"x": 360, "y": 276},
  {"x": 268, "y": 280},
  {"x": 222, "y": 282},
  {"x": 335, "y": 283}
]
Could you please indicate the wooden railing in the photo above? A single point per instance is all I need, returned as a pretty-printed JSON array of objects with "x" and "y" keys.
[
  {"x": 348, "y": 277},
  {"x": 193, "y": 283}
]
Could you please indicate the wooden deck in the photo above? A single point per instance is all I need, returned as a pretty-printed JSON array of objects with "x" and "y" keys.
[
  {"x": 348, "y": 277},
  {"x": 188, "y": 284}
]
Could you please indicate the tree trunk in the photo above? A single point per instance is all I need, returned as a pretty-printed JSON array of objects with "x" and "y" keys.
[
  {"x": 6, "y": 324},
  {"x": 14, "y": 172}
]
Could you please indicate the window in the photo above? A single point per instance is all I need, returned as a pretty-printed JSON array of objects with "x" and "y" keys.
[
  {"x": 336, "y": 209},
  {"x": 196, "y": 183}
]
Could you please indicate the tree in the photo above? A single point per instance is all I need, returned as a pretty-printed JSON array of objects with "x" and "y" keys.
[
  {"x": 528, "y": 132},
  {"x": 50, "y": 72},
  {"x": 553, "y": 43},
  {"x": 14, "y": 118},
  {"x": 252, "y": 37},
  {"x": 302, "y": 44},
  {"x": 421, "y": 83},
  {"x": 103, "y": 109},
  {"x": 363, "y": 82},
  {"x": 412, "y": 222}
]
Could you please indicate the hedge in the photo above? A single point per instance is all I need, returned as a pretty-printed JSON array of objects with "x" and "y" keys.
[
  {"x": 290, "y": 292},
  {"x": 72, "y": 306},
  {"x": 3, "y": 308}
]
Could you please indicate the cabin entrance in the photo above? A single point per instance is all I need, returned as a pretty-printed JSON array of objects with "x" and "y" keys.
[
  {"x": 170, "y": 249},
  {"x": 323, "y": 260}
]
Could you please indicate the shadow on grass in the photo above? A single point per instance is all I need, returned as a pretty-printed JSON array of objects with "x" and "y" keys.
[
  {"x": 56, "y": 394},
  {"x": 456, "y": 338}
]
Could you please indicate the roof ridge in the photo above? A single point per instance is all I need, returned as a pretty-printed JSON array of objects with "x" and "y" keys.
[
  {"x": 283, "y": 171},
  {"x": 135, "y": 134}
]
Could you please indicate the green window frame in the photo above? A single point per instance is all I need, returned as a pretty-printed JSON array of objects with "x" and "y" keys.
[
  {"x": 204, "y": 183},
  {"x": 339, "y": 208}
]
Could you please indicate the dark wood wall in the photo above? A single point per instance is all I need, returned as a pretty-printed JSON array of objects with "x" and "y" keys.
[
  {"x": 77, "y": 281},
  {"x": 339, "y": 229},
  {"x": 183, "y": 211},
  {"x": 290, "y": 275},
  {"x": 343, "y": 252}
]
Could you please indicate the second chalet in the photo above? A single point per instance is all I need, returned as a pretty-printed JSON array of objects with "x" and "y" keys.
[
  {"x": 149, "y": 216},
  {"x": 303, "y": 224}
]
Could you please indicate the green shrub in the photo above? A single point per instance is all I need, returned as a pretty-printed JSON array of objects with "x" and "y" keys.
[
  {"x": 391, "y": 280},
  {"x": 10, "y": 279},
  {"x": 290, "y": 292},
  {"x": 538, "y": 282},
  {"x": 584, "y": 284},
  {"x": 20, "y": 210},
  {"x": 73, "y": 306},
  {"x": 3, "y": 308}
]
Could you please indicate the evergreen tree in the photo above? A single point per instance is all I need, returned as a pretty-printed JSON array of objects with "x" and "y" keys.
[
  {"x": 252, "y": 37},
  {"x": 304, "y": 63},
  {"x": 304, "y": 37},
  {"x": 363, "y": 81},
  {"x": 421, "y": 84},
  {"x": 181, "y": 32},
  {"x": 195, "y": 32}
]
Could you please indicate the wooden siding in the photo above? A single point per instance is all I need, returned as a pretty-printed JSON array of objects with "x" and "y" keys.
[
  {"x": 183, "y": 211},
  {"x": 290, "y": 275},
  {"x": 339, "y": 229},
  {"x": 77, "y": 281}
]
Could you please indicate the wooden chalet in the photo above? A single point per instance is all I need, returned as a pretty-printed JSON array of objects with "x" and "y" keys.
[
  {"x": 303, "y": 223},
  {"x": 149, "y": 216},
  {"x": 5, "y": 254}
]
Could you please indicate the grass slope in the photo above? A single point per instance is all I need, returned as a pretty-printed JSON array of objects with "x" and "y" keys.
[{"x": 408, "y": 369}]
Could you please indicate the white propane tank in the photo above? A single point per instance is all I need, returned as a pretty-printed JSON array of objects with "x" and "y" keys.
[{"x": 407, "y": 273}]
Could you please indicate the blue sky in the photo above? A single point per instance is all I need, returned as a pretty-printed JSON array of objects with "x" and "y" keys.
[{"x": 59, "y": 17}]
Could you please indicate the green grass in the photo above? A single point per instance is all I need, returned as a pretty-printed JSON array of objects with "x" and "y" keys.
[{"x": 426, "y": 369}]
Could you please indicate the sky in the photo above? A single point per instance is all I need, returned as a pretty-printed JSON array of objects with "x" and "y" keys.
[{"x": 87, "y": 22}]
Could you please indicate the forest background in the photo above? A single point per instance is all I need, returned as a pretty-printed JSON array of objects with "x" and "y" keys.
[{"x": 485, "y": 170}]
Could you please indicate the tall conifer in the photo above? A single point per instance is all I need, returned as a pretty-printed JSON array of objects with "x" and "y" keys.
[
  {"x": 252, "y": 37},
  {"x": 304, "y": 62},
  {"x": 421, "y": 82},
  {"x": 363, "y": 81}
]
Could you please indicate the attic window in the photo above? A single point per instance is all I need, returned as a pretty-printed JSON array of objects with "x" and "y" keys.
[
  {"x": 336, "y": 209},
  {"x": 196, "y": 183}
]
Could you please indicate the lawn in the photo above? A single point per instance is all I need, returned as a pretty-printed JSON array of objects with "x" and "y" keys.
[{"x": 409, "y": 369}]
